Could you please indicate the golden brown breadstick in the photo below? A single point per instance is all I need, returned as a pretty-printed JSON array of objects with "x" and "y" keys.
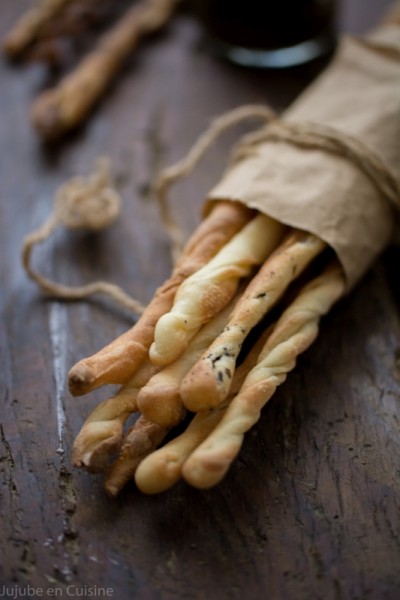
[
  {"x": 119, "y": 360},
  {"x": 207, "y": 291},
  {"x": 162, "y": 469},
  {"x": 28, "y": 27},
  {"x": 142, "y": 438},
  {"x": 159, "y": 400},
  {"x": 295, "y": 331},
  {"x": 64, "y": 107},
  {"x": 208, "y": 382},
  {"x": 101, "y": 434},
  {"x": 163, "y": 402}
]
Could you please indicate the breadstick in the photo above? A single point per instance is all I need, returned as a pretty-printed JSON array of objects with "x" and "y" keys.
[
  {"x": 142, "y": 438},
  {"x": 64, "y": 107},
  {"x": 296, "y": 329},
  {"x": 163, "y": 402},
  {"x": 208, "y": 290},
  {"x": 101, "y": 434},
  {"x": 159, "y": 400},
  {"x": 161, "y": 469},
  {"x": 207, "y": 383},
  {"x": 30, "y": 24},
  {"x": 119, "y": 360}
]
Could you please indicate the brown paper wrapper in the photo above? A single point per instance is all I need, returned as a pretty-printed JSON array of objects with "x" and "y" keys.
[{"x": 359, "y": 95}]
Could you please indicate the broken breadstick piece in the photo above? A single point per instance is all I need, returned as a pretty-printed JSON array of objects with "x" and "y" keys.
[
  {"x": 159, "y": 400},
  {"x": 101, "y": 434},
  {"x": 207, "y": 291},
  {"x": 207, "y": 383},
  {"x": 120, "y": 359},
  {"x": 28, "y": 27},
  {"x": 64, "y": 107},
  {"x": 161, "y": 469},
  {"x": 142, "y": 438},
  {"x": 294, "y": 332}
]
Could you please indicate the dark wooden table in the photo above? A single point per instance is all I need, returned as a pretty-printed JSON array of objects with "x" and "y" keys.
[{"x": 311, "y": 507}]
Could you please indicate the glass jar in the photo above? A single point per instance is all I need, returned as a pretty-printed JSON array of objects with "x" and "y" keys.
[{"x": 270, "y": 33}]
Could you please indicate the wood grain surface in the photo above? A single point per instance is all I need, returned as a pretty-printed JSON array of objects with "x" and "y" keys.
[{"x": 310, "y": 510}]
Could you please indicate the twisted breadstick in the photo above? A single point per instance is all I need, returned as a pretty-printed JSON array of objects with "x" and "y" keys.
[
  {"x": 119, "y": 360},
  {"x": 64, "y": 107},
  {"x": 142, "y": 438},
  {"x": 161, "y": 469},
  {"x": 208, "y": 290},
  {"x": 101, "y": 434},
  {"x": 159, "y": 400},
  {"x": 30, "y": 24},
  {"x": 295, "y": 331},
  {"x": 207, "y": 383}
]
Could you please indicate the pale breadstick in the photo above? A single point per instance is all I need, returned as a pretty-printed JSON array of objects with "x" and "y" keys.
[
  {"x": 296, "y": 329},
  {"x": 119, "y": 360},
  {"x": 161, "y": 406},
  {"x": 101, "y": 434},
  {"x": 146, "y": 435},
  {"x": 208, "y": 290},
  {"x": 142, "y": 438},
  {"x": 159, "y": 400},
  {"x": 28, "y": 27},
  {"x": 208, "y": 382},
  {"x": 161, "y": 469},
  {"x": 64, "y": 107}
]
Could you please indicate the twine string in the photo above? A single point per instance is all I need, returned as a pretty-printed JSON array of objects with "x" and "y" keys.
[
  {"x": 170, "y": 175},
  {"x": 89, "y": 203},
  {"x": 315, "y": 136},
  {"x": 92, "y": 202}
]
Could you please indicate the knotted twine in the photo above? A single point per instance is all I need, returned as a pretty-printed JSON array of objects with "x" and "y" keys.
[
  {"x": 93, "y": 203},
  {"x": 80, "y": 203}
]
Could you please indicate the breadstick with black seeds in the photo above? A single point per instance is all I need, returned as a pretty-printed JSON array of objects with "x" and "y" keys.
[
  {"x": 208, "y": 382},
  {"x": 159, "y": 400},
  {"x": 119, "y": 360},
  {"x": 207, "y": 291},
  {"x": 161, "y": 469},
  {"x": 294, "y": 332}
]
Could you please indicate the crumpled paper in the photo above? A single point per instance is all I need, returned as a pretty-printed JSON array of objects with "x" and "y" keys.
[{"x": 313, "y": 190}]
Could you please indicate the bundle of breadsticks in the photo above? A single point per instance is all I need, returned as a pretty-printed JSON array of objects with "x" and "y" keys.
[
  {"x": 182, "y": 355},
  {"x": 64, "y": 107},
  {"x": 307, "y": 204}
]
